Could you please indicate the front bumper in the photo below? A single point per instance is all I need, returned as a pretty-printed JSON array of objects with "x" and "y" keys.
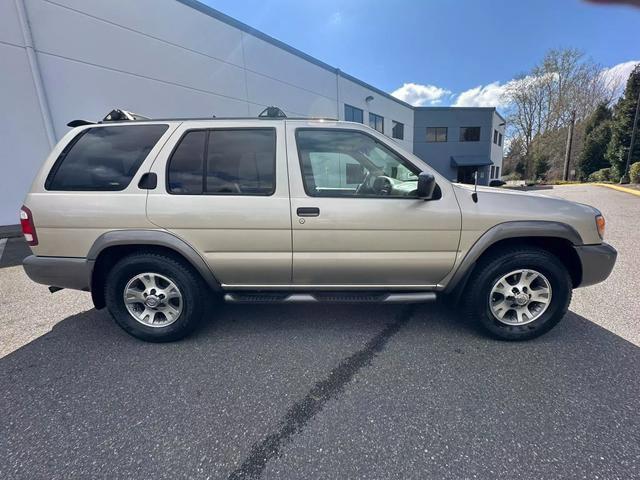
[
  {"x": 63, "y": 272},
  {"x": 597, "y": 262}
]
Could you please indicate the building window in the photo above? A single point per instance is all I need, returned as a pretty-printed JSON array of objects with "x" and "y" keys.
[
  {"x": 436, "y": 134},
  {"x": 398, "y": 130},
  {"x": 224, "y": 162},
  {"x": 469, "y": 134},
  {"x": 495, "y": 136},
  {"x": 499, "y": 139},
  {"x": 497, "y": 172},
  {"x": 353, "y": 114},
  {"x": 493, "y": 171},
  {"x": 376, "y": 122}
]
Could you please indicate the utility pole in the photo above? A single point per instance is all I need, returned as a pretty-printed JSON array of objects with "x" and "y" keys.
[
  {"x": 625, "y": 178},
  {"x": 567, "y": 155}
]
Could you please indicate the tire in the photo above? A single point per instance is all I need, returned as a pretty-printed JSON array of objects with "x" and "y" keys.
[
  {"x": 188, "y": 298},
  {"x": 481, "y": 300}
]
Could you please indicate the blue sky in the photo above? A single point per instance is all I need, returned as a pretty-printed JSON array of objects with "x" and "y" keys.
[{"x": 446, "y": 48}]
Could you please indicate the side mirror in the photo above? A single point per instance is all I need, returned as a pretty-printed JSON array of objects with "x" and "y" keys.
[{"x": 426, "y": 185}]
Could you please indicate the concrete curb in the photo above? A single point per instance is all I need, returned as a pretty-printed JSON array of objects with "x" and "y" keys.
[{"x": 619, "y": 188}]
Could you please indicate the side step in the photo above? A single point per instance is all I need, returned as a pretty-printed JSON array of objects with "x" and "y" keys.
[{"x": 351, "y": 297}]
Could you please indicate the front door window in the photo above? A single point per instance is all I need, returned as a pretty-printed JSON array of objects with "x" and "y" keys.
[{"x": 347, "y": 163}]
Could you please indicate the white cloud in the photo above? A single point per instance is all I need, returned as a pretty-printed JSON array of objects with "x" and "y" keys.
[
  {"x": 420, "y": 95},
  {"x": 491, "y": 95},
  {"x": 616, "y": 77}
]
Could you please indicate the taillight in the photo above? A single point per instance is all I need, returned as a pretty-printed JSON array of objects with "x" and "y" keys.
[{"x": 28, "y": 228}]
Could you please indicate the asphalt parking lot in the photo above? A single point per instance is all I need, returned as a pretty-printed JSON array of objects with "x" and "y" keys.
[{"x": 329, "y": 391}]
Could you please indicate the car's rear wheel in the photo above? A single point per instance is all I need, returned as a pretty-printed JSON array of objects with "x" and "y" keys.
[
  {"x": 518, "y": 294},
  {"x": 155, "y": 297}
]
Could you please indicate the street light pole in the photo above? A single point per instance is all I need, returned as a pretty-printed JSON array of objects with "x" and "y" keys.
[{"x": 625, "y": 178}]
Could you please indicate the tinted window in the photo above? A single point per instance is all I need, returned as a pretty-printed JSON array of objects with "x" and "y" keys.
[
  {"x": 469, "y": 134},
  {"x": 103, "y": 158},
  {"x": 353, "y": 114},
  {"x": 436, "y": 134},
  {"x": 186, "y": 166},
  {"x": 351, "y": 164},
  {"x": 376, "y": 122},
  {"x": 241, "y": 162},
  {"x": 238, "y": 162},
  {"x": 398, "y": 130}
]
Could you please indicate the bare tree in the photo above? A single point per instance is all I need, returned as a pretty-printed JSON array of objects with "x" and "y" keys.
[{"x": 545, "y": 99}]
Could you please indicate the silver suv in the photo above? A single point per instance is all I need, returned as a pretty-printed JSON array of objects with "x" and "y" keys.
[{"x": 157, "y": 217}]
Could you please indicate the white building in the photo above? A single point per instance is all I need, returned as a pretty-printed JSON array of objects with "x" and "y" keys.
[
  {"x": 68, "y": 59},
  {"x": 78, "y": 59}
]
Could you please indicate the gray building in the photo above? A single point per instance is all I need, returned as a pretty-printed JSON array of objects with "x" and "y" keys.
[{"x": 458, "y": 140}]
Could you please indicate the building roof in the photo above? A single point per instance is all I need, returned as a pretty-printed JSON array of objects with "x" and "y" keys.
[{"x": 212, "y": 12}]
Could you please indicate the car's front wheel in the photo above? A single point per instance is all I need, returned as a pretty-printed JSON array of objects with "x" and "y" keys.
[
  {"x": 518, "y": 294},
  {"x": 155, "y": 297}
]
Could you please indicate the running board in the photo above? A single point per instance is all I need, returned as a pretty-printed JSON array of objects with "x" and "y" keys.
[{"x": 413, "y": 297}]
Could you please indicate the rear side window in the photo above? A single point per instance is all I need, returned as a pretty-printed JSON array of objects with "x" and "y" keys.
[
  {"x": 224, "y": 162},
  {"x": 103, "y": 158}
]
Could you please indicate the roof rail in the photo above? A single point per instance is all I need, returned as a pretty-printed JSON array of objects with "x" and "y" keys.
[
  {"x": 118, "y": 115},
  {"x": 272, "y": 112}
]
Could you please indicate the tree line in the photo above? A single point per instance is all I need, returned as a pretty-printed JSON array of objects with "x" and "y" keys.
[{"x": 568, "y": 88}]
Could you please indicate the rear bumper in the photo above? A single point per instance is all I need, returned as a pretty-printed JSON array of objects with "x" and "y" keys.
[
  {"x": 64, "y": 272},
  {"x": 597, "y": 262}
]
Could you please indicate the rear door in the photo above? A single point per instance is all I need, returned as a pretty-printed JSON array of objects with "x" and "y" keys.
[
  {"x": 222, "y": 187},
  {"x": 356, "y": 222}
]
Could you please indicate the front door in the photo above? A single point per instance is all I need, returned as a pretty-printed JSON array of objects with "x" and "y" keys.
[
  {"x": 225, "y": 191},
  {"x": 356, "y": 220}
]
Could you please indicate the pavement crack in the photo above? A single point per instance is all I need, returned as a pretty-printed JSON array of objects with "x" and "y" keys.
[{"x": 304, "y": 410}]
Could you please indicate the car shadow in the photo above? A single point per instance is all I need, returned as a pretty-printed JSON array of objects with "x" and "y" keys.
[{"x": 86, "y": 395}]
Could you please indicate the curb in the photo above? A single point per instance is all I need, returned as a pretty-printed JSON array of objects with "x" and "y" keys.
[{"x": 619, "y": 188}]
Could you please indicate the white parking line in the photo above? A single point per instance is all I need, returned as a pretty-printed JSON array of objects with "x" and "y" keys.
[{"x": 3, "y": 242}]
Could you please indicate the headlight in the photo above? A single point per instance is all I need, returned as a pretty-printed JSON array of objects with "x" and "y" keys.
[{"x": 600, "y": 224}]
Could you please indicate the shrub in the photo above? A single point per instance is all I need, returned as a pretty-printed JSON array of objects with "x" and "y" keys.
[
  {"x": 634, "y": 172},
  {"x": 602, "y": 175}
]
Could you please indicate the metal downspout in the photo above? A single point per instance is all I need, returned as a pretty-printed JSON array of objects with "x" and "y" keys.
[{"x": 35, "y": 72}]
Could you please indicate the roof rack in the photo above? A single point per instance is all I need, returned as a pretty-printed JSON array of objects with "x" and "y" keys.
[
  {"x": 272, "y": 112},
  {"x": 118, "y": 115}
]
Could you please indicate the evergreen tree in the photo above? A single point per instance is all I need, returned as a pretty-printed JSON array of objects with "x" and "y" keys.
[
  {"x": 597, "y": 131},
  {"x": 621, "y": 126},
  {"x": 540, "y": 166}
]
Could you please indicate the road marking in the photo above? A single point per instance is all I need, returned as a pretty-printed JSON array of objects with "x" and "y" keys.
[
  {"x": 3, "y": 242},
  {"x": 619, "y": 188}
]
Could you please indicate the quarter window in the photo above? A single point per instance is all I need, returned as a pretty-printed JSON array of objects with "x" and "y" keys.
[
  {"x": 103, "y": 158},
  {"x": 398, "y": 130},
  {"x": 376, "y": 122},
  {"x": 436, "y": 134},
  {"x": 224, "y": 162},
  {"x": 345, "y": 163},
  {"x": 469, "y": 134},
  {"x": 353, "y": 114}
]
